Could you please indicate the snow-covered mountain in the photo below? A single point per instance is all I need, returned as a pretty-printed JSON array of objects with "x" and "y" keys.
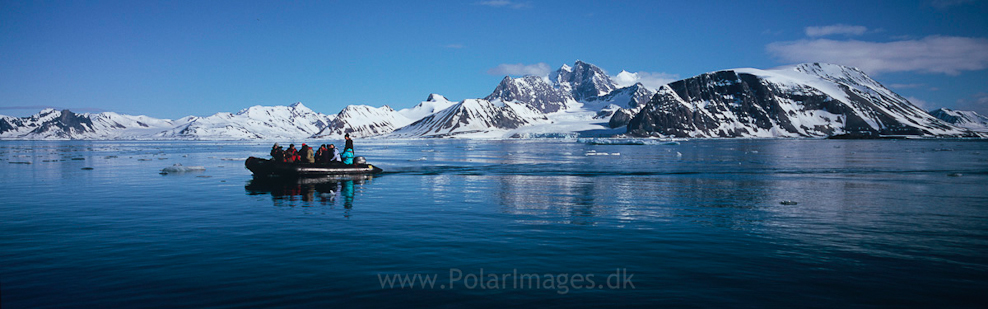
[
  {"x": 292, "y": 122},
  {"x": 257, "y": 122},
  {"x": 805, "y": 100},
  {"x": 535, "y": 91},
  {"x": 571, "y": 99},
  {"x": 433, "y": 104},
  {"x": 52, "y": 124},
  {"x": 567, "y": 88},
  {"x": 621, "y": 104},
  {"x": 475, "y": 118},
  {"x": 965, "y": 119},
  {"x": 363, "y": 121},
  {"x": 584, "y": 81}
]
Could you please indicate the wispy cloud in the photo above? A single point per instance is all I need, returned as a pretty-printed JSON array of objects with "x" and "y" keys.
[
  {"x": 977, "y": 102},
  {"x": 505, "y": 4},
  {"x": 835, "y": 29},
  {"x": 39, "y": 107},
  {"x": 920, "y": 103},
  {"x": 906, "y": 86},
  {"x": 538, "y": 69},
  {"x": 933, "y": 54},
  {"x": 651, "y": 80}
]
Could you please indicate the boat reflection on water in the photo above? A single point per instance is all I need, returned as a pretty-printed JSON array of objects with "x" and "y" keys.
[{"x": 306, "y": 191}]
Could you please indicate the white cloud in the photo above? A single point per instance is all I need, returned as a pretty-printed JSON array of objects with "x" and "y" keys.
[
  {"x": 651, "y": 80},
  {"x": 906, "y": 86},
  {"x": 538, "y": 69},
  {"x": 835, "y": 29},
  {"x": 505, "y": 4},
  {"x": 920, "y": 103},
  {"x": 977, "y": 102},
  {"x": 933, "y": 54}
]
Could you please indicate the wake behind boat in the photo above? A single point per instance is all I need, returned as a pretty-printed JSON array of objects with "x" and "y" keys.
[{"x": 265, "y": 167}]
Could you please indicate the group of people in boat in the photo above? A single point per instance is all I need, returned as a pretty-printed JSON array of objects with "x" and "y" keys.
[{"x": 324, "y": 154}]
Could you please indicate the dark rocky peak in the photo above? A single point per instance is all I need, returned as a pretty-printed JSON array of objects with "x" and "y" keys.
[
  {"x": 437, "y": 97},
  {"x": 584, "y": 80},
  {"x": 534, "y": 91},
  {"x": 66, "y": 124}
]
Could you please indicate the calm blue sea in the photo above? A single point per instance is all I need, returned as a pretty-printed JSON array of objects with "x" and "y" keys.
[{"x": 532, "y": 223}]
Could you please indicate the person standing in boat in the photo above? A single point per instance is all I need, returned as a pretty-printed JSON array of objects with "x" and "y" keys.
[
  {"x": 291, "y": 153},
  {"x": 349, "y": 142}
]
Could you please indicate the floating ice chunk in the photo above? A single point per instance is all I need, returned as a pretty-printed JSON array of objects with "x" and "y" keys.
[{"x": 178, "y": 168}]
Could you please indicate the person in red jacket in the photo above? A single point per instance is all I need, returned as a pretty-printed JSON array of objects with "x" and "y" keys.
[{"x": 291, "y": 154}]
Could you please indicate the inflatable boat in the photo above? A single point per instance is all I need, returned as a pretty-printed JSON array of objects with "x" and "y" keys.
[{"x": 265, "y": 167}]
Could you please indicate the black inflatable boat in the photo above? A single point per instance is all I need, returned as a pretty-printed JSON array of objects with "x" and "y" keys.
[{"x": 265, "y": 167}]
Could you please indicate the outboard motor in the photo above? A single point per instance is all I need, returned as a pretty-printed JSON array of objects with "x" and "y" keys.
[{"x": 359, "y": 160}]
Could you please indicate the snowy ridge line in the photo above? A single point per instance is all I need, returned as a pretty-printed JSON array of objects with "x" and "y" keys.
[{"x": 810, "y": 100}]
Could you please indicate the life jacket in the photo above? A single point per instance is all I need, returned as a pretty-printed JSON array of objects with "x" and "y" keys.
[
  {"x": 291, "y": 155},
  {"x": 348, "y": 156}
]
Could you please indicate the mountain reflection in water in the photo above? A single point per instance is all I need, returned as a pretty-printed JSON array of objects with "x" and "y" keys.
[{"x": 306, "y": 191}]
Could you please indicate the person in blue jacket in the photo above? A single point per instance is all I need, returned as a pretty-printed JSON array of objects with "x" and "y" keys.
[{"x": 348, "y": 156}]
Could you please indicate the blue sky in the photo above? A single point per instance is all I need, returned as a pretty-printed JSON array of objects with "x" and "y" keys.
[{"x": 176, "y": 58}]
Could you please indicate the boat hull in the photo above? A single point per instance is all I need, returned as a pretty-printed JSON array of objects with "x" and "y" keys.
[{"x": 265, "y": 167}]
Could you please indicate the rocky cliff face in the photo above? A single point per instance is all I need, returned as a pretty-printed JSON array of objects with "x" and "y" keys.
[
  {"x": 807, "y": 100},
  {"x": 534, "y": 91},
  {"x": 584, "y": 81}
]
